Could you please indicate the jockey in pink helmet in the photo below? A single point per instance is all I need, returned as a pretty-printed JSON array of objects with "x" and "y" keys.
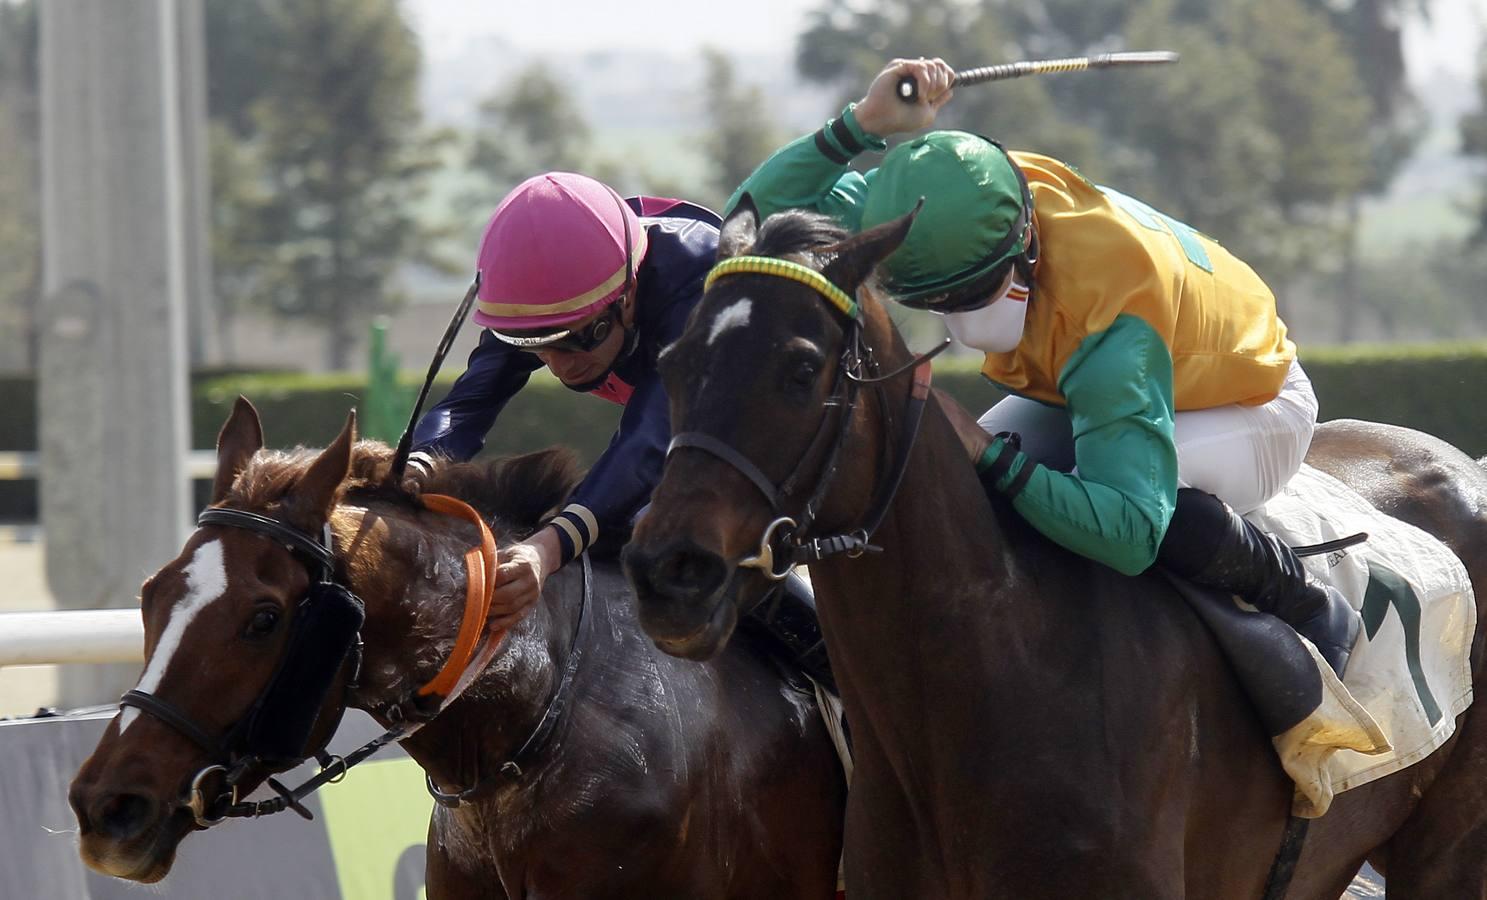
[
  {"x": 593, "y": 286},
  {"x": 562, "y": 251}
]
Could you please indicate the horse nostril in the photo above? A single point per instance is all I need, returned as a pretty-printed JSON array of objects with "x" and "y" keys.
[
  {"x": 689, "y": 573},
  {"x": 124, "y": 816}
]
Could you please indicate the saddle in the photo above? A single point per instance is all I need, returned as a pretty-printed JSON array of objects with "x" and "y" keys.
[{"x": 1410, "y": 673}]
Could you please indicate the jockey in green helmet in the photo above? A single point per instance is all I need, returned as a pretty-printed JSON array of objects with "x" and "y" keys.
[{"x": 1154, "y": 395}]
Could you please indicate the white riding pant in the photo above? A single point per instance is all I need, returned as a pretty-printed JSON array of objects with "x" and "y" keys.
[{"x": 1243, "y": 455}]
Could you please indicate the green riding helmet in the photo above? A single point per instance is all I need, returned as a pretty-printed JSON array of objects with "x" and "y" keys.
[{"x": 975, "y": 219}]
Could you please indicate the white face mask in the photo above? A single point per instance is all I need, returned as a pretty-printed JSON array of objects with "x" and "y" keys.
[{"x": 996, "y": 327}]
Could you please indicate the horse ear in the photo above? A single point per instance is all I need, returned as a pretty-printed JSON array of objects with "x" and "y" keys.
[
  {"x": 857, "y": 256},
  {"x": 311, "y": 501},
  {"x": 740, "y": 229},
  {"x": 241, "y": 437}
]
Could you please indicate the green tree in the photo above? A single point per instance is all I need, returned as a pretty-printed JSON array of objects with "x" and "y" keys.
[
  {"x": 1473, "y": 257},
  {"x": 241, "y": 46},
  {"x": 534, "y": 126},
  {"x": 537, "y": 126},
  {"x": 1258, "y": 138},
  {"x": 1262, "y": 144},
  {"x": 740, "y": 133},
  {"x": 1473, "y": 127},
  {"x": 321, "y": 214}
]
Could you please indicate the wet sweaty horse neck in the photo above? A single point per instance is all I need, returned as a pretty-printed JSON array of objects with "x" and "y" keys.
[
  {"x": 947, "y": 607},
  {"x": 411, "y": 575}
]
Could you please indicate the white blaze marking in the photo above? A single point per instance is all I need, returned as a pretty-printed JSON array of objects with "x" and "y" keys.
[
  {"x": 206, "y": 581},
  {"x": 735, "y": 316}
]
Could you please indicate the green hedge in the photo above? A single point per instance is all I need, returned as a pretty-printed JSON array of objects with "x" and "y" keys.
[
  {"x": 1433, "y": 388},
  {"x": 311, "y": 409}
]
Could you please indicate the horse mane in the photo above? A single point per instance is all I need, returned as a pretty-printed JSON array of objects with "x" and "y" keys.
[
  {"x": 517, "y": 493},
  {"x": 798, "y": 231}
]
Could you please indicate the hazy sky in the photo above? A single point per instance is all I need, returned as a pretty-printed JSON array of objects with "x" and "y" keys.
[
  {"x": 592, "y": 24},
  {"x": 1450, "y": 40}
]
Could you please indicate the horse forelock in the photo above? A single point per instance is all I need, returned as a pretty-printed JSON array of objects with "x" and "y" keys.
[
  {"x": 799, "y": 234},
  {"x": 813, "y": 239}
]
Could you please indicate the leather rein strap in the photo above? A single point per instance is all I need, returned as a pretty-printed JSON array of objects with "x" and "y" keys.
[{"x": 480, "y": 586}]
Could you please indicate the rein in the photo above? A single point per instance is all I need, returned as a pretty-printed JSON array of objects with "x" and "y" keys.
[
  {"x": 784, "y": 537},
  {"x": 411, "y": 714}
]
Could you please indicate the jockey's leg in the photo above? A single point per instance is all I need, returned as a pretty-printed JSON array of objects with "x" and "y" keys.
[
  {"x": 789, "y": 615},
  {"x": 1228, "y": 456},
  {"x": 1210, "y": 544},
  {"x": 1045, "y": 432},
  {"x": 1235, "y": 458}
]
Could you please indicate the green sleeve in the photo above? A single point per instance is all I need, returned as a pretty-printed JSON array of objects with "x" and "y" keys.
[
  {"x": 1118, "y": 390},
  {"x": 812, "y": 173}
]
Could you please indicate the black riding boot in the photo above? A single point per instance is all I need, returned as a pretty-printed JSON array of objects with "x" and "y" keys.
[
  {"x": 789, "y": 615},
  {"x": 1211, "y": 545}
]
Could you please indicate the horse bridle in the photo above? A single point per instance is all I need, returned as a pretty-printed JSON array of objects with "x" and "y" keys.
[
  {"x": 240, "y": 750},
  {"x": 784, "y": 538},
  {"x": 233, "y": 756}
]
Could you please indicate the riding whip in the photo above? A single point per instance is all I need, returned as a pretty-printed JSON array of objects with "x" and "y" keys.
[{"x": 908, "y": 88}]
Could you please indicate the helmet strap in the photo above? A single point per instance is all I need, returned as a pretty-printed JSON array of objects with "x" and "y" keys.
[{"x": 1026, "y": 261}]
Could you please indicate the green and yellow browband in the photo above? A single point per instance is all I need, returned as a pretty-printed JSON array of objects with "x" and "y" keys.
[{"x": 783, "y": 268}]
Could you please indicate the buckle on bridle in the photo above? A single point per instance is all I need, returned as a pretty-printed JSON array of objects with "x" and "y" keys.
[{"x": 764, "y": 559}]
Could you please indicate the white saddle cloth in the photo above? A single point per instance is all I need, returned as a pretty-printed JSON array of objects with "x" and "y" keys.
[{"x": 1411, "y": 668}]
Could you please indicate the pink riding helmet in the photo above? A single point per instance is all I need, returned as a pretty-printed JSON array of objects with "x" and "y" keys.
[{"x": 554, "y": 253}]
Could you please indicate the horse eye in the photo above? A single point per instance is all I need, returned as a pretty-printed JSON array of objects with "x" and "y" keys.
[
  {"x": 803, "y": 374},
  {"x": 263, "y": 623}
]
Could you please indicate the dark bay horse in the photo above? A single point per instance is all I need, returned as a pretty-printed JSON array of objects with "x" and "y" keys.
[
  {"x": 659, "y": 777},
  {"x": 1026, "y": 723}
]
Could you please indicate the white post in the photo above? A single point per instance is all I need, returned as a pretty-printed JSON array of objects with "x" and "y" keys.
[
  {"x": 112, "y": 396},
  {"x": 201, "y": 292}
]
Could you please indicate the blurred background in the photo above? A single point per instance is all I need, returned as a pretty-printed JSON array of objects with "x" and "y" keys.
[{"x": 328, "y": 166}]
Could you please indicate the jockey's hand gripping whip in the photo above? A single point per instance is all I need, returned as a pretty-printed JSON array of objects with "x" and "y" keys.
[{"x": 908, "y": 88}]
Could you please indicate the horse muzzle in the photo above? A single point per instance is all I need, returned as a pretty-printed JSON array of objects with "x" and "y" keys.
[
  {"x": 127, "y": 835},
  {"x": 685, "y": 597}
]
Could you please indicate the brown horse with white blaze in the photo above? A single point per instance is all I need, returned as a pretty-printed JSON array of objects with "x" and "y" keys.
[
  {"x": 636, "y": 775},
  {"x": 1026, "y": 723}
]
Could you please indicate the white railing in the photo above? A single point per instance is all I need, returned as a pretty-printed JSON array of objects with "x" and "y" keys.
[
  {"x": 16, "y": 466},
  {"x": 71, "y": 636}
]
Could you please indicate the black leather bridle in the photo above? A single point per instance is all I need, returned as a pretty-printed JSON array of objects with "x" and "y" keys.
[
  {"x": 785, "y": 537},
  {"x": 329, "y": 616}
]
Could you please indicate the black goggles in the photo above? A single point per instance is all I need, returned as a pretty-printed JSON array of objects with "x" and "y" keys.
[{"x": 578, "y": 340}]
